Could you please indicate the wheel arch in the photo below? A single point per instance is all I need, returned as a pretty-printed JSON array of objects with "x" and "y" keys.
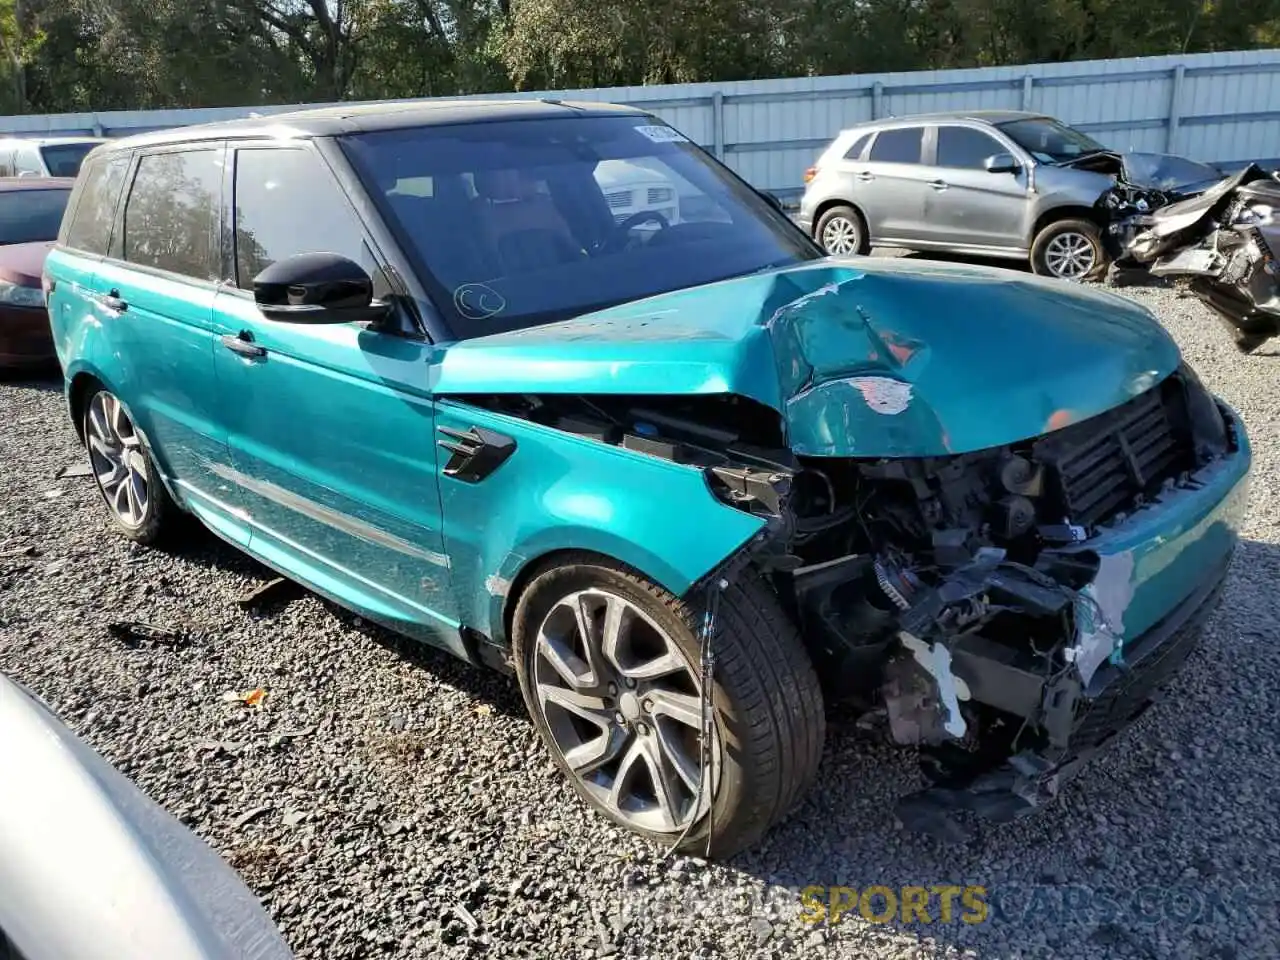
[
  {"x": 827, "y": 205},
  {"x": 578, "y": 545},
  {"x": 81, "y": 385},
  {"x": 1066, "y": 211},
  {"x": 535, "y": 567}
]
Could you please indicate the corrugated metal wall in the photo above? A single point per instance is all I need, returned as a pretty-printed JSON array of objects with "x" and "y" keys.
[{"x": 1220, "y": 107}]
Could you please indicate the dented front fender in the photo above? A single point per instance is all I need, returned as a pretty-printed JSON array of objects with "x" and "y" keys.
[{"x": 559, "y": 492}]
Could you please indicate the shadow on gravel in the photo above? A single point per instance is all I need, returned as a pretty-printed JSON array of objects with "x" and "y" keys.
[
  {"x": 202, "y": 548},
  {"x": 45, "y": 381}
]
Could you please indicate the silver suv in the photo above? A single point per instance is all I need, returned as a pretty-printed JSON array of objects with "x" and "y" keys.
[
  {"x": 44, "y": 156},
  {"x": 985, "y": 183}
]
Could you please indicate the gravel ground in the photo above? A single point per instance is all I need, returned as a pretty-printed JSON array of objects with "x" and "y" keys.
[{"x": 388, "y": 801}]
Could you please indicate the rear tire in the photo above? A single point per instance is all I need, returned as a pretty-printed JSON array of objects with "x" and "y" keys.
[
  {"x": 842, "y": 232},
  {"x": 124, "y": 471},
  {"x": 767, "y": 706},
  {"x": 1069, "y": 250}
]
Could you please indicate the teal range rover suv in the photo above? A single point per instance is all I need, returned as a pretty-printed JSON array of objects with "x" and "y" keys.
[{"x": 640, "y": 443}]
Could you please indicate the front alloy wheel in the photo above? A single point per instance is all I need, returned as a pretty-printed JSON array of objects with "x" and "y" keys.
[
  {"x": 1070, "y": 256},
  {"x": 1069, "y": 250},
  {"x": 624, "y": 709},
  {"x": 610, "y": 668}
]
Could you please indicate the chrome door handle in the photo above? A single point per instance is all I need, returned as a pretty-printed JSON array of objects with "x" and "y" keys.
[
  {"x": 243, "y": 344},
  {"x": 866, "y": 176},
  {"x": 938, "y": 184}
]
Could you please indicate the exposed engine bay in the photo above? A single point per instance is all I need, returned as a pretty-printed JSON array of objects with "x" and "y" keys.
[{"x": 950, "y": 599}]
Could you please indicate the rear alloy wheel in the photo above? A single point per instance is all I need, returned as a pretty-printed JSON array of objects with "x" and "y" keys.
[
  {"x": 610, "y": 668},
  {"x": 1069, "y": 250},
  {"x": 123, "y": 469},
  {"x": 842, "y": 233}
]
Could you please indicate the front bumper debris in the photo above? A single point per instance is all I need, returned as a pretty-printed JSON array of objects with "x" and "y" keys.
[
  {"x": 1113, "y": 700},
  {"x": 1177, "y": 546}
]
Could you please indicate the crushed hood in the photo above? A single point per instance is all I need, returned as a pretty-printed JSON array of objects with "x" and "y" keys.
[
  {"x": 865, "y": 358},
  {"x": 1167, "y": 172}
]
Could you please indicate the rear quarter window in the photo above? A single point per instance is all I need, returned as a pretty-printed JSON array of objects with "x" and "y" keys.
[
  {"x": 91, "y": 211},
  {"x": 855, "y": 149},
  {"x": 27, "y": 159}
]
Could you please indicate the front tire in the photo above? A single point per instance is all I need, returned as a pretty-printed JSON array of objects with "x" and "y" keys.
[
  {"x": 1069, "y": 250},
  {"x": 124, "y": 472},
  {"x": 609, "y": 666}
]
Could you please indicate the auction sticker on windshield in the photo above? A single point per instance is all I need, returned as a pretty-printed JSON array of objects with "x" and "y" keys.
[{"x": 661, "y": 134}]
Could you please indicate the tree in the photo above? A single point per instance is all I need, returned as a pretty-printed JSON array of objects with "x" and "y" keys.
[{"x": 61, "y": 55}]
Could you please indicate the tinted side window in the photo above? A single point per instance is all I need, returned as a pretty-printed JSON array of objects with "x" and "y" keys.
[
  {"x": 965, "y": 147},
  {"x": 7, "y": 167},
  {"x": 64, "y": 159},
  {"x": 898, "y": 146},
  {"x": 171, "y": 216},
  {"x": 855, "y": 151},
  {"x": 288, "y": 203},
  {"x": 94, "y": 210},
  {"x": 30, "y": 215}
]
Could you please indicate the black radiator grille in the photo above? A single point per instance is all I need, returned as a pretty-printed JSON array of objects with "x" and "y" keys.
[{"x": 1103, "y": 464}]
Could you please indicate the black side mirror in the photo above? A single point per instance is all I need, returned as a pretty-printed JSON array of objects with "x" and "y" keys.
[
  {"x": 1002, "y": 163},
  {"x": 317, "y": 288}
]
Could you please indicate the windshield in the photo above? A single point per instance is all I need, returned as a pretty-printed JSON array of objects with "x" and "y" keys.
[
  {"x": 1159, "y": 171},
  {"x": 64, "y": 159},
  {"x": 1049, "y": 140},
  {"x": 30, "y": 215},
  {"x": 517, "y": 223}
]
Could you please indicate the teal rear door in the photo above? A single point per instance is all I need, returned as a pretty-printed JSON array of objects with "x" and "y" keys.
[{"x": 156, "y": 297}]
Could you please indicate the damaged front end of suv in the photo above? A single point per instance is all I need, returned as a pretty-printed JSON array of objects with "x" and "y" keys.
[
  {"x": 997, "y": 508},
  {"x": 1000, "y": 608},
  {"x": 1142, "y": 183}
]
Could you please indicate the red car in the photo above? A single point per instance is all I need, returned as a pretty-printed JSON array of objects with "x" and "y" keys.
[{"x": 30, "y": 215}]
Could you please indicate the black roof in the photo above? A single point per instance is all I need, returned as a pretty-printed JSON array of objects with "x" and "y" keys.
[{"x": 360, "y": 118}]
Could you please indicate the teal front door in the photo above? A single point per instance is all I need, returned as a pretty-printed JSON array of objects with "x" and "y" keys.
[{"x": 330, "y": 427}]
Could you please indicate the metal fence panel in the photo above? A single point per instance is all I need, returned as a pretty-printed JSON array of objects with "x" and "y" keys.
[{"x": 1218, "y": 107}]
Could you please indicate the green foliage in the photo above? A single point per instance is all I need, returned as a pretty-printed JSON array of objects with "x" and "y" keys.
[{"x": 79, "y": 55}]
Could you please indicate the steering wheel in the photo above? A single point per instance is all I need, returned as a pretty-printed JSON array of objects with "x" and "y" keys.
[{"x": 622, "y": 228}]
